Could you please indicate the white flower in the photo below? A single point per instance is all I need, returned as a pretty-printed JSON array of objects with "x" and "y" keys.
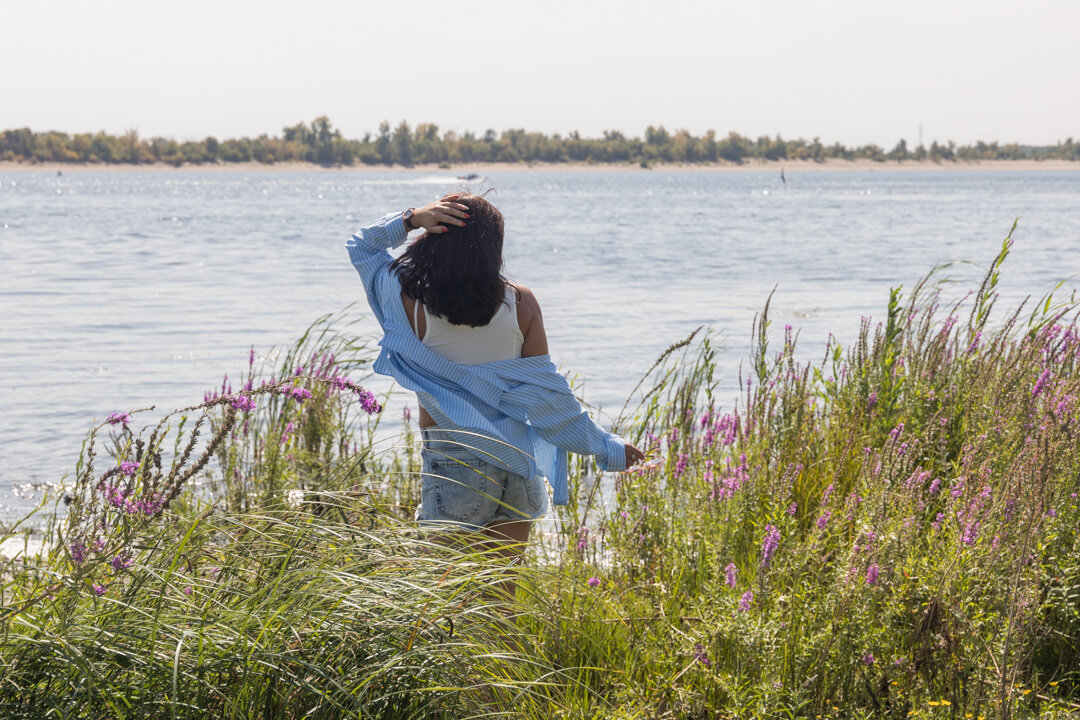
[{"x": 294, "y": 498}]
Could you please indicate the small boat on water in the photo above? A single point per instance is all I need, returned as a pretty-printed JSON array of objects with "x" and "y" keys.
[{"x": 470, "y": 176}]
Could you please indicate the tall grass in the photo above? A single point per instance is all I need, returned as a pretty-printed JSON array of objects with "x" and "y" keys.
[{"x": 889, "y": 531}]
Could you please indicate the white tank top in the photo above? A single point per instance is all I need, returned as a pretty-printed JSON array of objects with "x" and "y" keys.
[{"x": 500, "y": 339}]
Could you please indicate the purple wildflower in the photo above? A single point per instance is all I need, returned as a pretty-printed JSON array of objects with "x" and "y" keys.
[
  {"x": 150, "y": 506},
  {"x": 128, "y": 467},
  {"x": 1040, "y": 384},
  {"x": 872, "y": 574},
  {"x": 297, "y": 393},
  {"x": 732, "y": 571},
  {"x": 793, "y": 508},
  {"x": 934, "y": 486},
  {"x": 118, "y": 418},
  {"x": 700, "y": 655},
  {"x": 367, "y": 398},
  {"x": 583, "y": 539},
  {"x": 120, "y": 562},
  {"x": 680, "y": 466},
  {"x": 594, "y": 581},
  {"x": 745, "y": 600},
  {"x": 187, "y": 590},
  {"x": 99, "y": 589},
  {"x": 368, "y": 402},
  {"x": 868, "y": 659},
  {"x": 823, "y": 520},
  {"x": 728, "y": 486},
  {"x": 975, "y": 343},
  {"x": 114, "y": 495},
  {"x": 244, "y": 403},
  {"x": 971, "y": 532},
  {"x": 78, "y": 552},
  {"x": 406, "y": 414},
  {"x": 871, "y": 401},
  {"x": 769, "y": 544}
]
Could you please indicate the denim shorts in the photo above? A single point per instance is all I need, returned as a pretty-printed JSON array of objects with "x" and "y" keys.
[{"x": 460, "y": 487}]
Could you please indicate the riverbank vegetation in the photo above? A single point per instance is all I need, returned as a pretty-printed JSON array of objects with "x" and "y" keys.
[
  {"x": 321, "y": 143},
  {"x": 889, "y": 530}
]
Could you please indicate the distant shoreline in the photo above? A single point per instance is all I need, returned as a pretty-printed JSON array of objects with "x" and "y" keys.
[{"x": 829, "y": 165}]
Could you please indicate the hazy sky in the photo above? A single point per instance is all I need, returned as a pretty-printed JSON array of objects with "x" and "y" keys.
[{"x": 857, "y": 71}]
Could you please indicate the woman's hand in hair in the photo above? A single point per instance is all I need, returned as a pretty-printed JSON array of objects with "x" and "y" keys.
[{"x": 435, "y": 216}]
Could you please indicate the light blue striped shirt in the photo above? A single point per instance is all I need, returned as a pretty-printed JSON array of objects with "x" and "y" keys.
[{"x": 521, "y": 411}]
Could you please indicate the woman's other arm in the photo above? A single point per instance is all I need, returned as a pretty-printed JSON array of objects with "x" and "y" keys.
[{"x": 531, "y": 324}]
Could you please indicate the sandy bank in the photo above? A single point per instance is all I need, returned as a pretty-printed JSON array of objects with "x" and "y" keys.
[{"x": 831, "y": 165}]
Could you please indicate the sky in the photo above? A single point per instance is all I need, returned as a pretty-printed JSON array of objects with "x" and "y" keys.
[{"x": 851, "y": 71}]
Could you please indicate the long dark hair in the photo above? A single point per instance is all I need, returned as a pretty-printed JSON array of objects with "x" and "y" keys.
[{"x": 458, "y": 274}]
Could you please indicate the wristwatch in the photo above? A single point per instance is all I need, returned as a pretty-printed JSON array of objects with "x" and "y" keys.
[{"x": 406, "y": 217}]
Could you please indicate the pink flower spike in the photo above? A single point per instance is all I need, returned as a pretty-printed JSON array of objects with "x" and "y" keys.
[
  {"x": 872, "y": 574},
  {"x": 594, "y": 581}
]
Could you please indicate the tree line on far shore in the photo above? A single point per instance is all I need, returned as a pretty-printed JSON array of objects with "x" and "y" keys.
[{"x": 323, "y": 144}]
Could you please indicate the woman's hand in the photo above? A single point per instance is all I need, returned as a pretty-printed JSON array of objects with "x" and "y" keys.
[
  {"x": 633, "y": 455},
  {"x": 436, "y": 216}
]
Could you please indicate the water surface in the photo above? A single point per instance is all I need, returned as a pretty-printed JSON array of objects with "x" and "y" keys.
[{"x": 120, "y": 290}]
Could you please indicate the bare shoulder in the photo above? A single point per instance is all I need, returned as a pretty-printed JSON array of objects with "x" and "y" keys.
[
  {"x": 528, "y": 308},
  {"x": 526, "y": 299},
  {"x": 531, "y": 323}
]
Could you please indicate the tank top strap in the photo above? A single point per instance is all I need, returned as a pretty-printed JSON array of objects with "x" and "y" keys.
[
  {"x": 416, "y": 316},
  {"x": 512, "y": 301}
]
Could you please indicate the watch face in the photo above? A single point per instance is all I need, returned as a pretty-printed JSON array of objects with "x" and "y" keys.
[{"x": 407, "y": 217}]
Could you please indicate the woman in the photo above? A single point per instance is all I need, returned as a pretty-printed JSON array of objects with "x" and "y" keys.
[{"x": 496, "y": 416}]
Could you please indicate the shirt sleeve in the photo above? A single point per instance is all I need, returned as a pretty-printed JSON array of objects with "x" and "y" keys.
[
  {"x": 369, "y": 251},
  {"x": 559, "y": 418}
]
